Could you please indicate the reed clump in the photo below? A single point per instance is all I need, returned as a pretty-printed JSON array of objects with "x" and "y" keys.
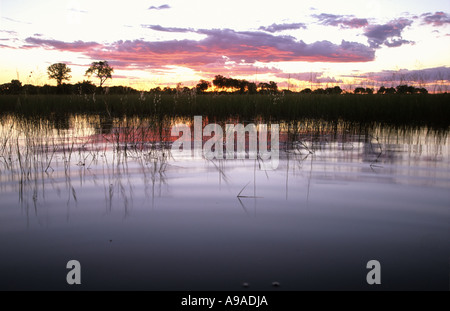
[{"x": 391, "y": 109}]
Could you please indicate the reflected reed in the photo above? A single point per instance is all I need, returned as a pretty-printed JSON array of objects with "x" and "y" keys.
[{"x": 38, "y": 155}]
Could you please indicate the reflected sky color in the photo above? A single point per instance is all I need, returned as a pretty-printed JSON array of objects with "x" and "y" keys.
[{"x": 140, "y": 220}]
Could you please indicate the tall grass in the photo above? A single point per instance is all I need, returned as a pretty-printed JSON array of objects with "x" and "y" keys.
[
  {"x": 33, "y": 151},
  {"x": 430, "y": 110},
  {"x": 36, "y": 150}
]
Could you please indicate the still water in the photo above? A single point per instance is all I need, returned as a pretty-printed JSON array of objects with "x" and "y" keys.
[{"x": 108, "y": 194}]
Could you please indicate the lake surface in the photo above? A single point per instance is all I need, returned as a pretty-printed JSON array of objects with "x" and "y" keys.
[{"x": 108, "y": 194}]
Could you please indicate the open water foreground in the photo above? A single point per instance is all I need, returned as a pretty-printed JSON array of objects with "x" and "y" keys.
[{"x": 137, "y": 219}]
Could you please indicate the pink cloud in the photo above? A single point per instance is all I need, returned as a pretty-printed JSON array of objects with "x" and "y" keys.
[
  {"x": 233, "y": 69},
  {"x": 414, "y": 76},
  {"x": 280, "y": 27},
  {"x": 161, "y": 7},
  {"x": 240, "y": 48},
  {"x": 167, "y": 29},
  {"x": 345, "y": 21},
  {"x": 77, "y": 46},
  {"x": 389, "y": 34},
  {"x": 436, "y": 19}
]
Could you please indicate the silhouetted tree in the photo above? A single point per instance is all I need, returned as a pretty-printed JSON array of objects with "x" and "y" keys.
[
  {"x": 59, "y": 72},
  {"x": 156, "y": 90},
  {"x": 381, "y": 90},
  {"x": 406, "y": 89},
  {"x": 319, "y": 91},
  {"x": 122, "y": 90},
  {"x": 273, "y": 86},
  {"x": 251, "y": 88},
  {"x": 333, "y": 90},
  {"x": 14, "y": 87},
  {"x": 232, "y": 83},
  {"x": 422, "y": 90},
  {"x": 219, "y": 82},
  {"x": 242, "y": 85},
  {"x": 85, "y": 87},
  {"x": 306, "y": 91},
  {"x": 270, "y": 87},
  {"x": 169, "y": 90},
  {"x": 359, "y": 90},
  {"x": 202, "y": 86},
  {"x": 102, "y": 70},
  {"x": 390, "y": 90},
  {"x": 402, "y": 89},
  {"x": 263, "y": 87}
]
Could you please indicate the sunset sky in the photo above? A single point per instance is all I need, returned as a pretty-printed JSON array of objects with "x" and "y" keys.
[{"x": 158, "y": 43}]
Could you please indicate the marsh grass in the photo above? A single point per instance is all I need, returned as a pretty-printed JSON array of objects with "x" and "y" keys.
[
  {"x": 35, "y": 150},
  {"x": 42, "y": 133},
  {"x": 429, "y": 110}
]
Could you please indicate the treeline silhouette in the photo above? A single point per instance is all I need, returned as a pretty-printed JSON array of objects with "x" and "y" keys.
[
  {"x": 15, "y": 87},
  {"x": 222, "y": 85}
]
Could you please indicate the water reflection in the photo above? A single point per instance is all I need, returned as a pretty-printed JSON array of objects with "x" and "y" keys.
[
  {"x": 106, "y": 191},
  {"x": 122, "y": 160}
]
